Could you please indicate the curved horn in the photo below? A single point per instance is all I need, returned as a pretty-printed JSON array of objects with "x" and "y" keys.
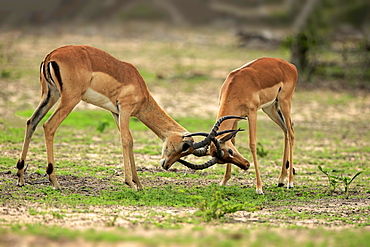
[
  {"x": 196, "y": 134},
  {"x": 213, "y": 132},
  {"x": 203, "y": 151},
  {"x": 219, "y": 152},
  {"x": 220, "y": 120},
  {"x": 208, "y": 138},
  {"x": 229, "y": 131},
  {"x": 200, "y": 152},
  {"x": 206, "y": 134},
  {"x": 209, "y": 163}
]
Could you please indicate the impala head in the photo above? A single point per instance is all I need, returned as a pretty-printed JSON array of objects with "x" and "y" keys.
[
  {"x": 230, "y": 154},
  {"x": 176, "y": 146},
  {"x": 221, "y": 150}
]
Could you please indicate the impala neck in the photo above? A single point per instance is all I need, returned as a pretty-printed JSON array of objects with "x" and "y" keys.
[{"x": 156, "y": 119}]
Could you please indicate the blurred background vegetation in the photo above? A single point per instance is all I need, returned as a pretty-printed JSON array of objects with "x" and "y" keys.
[{"x": 326, "y": 38}]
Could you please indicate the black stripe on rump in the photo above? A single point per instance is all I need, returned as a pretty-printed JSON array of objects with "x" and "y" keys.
[
  {"x": 56, "y": 72},
  {"x": 46, "y": 73},
  {"x": 42, "y": 70}
]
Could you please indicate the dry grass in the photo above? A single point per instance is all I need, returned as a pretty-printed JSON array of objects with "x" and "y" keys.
[{"x": 184, "y": 70}]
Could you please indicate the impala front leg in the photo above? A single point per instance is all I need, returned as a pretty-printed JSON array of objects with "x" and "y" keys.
[
  {"x": 131, "y": 177},
  {"x": 252, "y": 118},
  {"x": 20, "y": 173},
  {"x": 135, "y": 177},
  {"x": 227, "y": 174}
]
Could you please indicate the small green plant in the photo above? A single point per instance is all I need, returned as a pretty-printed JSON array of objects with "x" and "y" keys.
[
  {"x": 216, "y": 207},
  {"x": 112, "y": 222},
  {"x": 33, "y": 211},
  {"x": 261, "y": 150},
  {"x": 5, "y": 74},
  {"x": 57, "y": 215},
  {"x": 102, "y": 125},
  {"x": 335, "y": 180},
  {"x": 347, "y": 181},
  {"x": 332, "y": 179}
]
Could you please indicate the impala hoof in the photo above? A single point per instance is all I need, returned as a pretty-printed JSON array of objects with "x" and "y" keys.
[
  {"x": 20, "y": 185},
  {"x": 259, "y": 191},
  {"x": 280, "y": 184},
  {"x": 21, "y": 182},
  {"x": 132, "y": 186}
]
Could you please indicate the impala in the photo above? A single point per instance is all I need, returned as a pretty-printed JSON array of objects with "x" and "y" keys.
[
  {"x": 74, "y": 73},
  {"x": 267, "y": 84}
]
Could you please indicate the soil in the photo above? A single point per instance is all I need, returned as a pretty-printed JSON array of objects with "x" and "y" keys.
[{"x": 99, "y": 217}]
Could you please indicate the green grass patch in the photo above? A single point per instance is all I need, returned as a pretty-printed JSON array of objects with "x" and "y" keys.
[
  {"x": 12, "y": 135},
  {"x": 95, "y": 118},
  {"x": 167, "y": 195}
]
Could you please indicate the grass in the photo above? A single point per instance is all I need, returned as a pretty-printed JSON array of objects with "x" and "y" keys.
[
  {"x": 329, "y": 130},
  {"x": 92, "y": 160}
]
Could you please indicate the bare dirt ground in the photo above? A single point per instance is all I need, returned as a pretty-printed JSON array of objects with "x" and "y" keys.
[{"x": 134, "y": 218}]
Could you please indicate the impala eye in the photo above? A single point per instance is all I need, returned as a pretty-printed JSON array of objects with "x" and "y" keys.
[{"x": 231, "y": 152}]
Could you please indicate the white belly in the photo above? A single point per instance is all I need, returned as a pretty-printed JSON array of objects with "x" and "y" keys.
[
  {"x": 100, "y": 100},
  {"x": 266, "y": 104}
]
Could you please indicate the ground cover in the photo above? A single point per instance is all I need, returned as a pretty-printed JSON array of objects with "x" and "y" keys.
[{"x": 96, "y": 207}]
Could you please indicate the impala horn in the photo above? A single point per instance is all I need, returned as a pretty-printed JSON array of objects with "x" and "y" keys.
[
  {"x": 213, "y": 133},
  {"x": 202, "y": 146},
  {"x": 209, "y": 163},
  {"x": 202, "y": 151}
]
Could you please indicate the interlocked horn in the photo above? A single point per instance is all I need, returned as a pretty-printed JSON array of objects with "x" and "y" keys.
[
  {"x": 202, "y": 146},
  {"x": 213, "y": 133}
]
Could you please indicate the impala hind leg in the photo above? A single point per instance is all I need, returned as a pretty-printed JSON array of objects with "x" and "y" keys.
[
  {"x": 48, "y": 99},
  {"x": 274, "y": 112},
  {"x": 65, "y": 106},
  {"x": 285, "y": 107}
]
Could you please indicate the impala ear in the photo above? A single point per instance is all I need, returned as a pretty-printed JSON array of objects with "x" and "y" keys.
[
  {"x": 187, "y": 143},
  {"x": 185, "y": 147}
]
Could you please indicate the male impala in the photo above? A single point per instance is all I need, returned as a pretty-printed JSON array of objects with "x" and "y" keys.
[
  {"x": 267, "y": 84},
  {"x": 75, "y": 73}
]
